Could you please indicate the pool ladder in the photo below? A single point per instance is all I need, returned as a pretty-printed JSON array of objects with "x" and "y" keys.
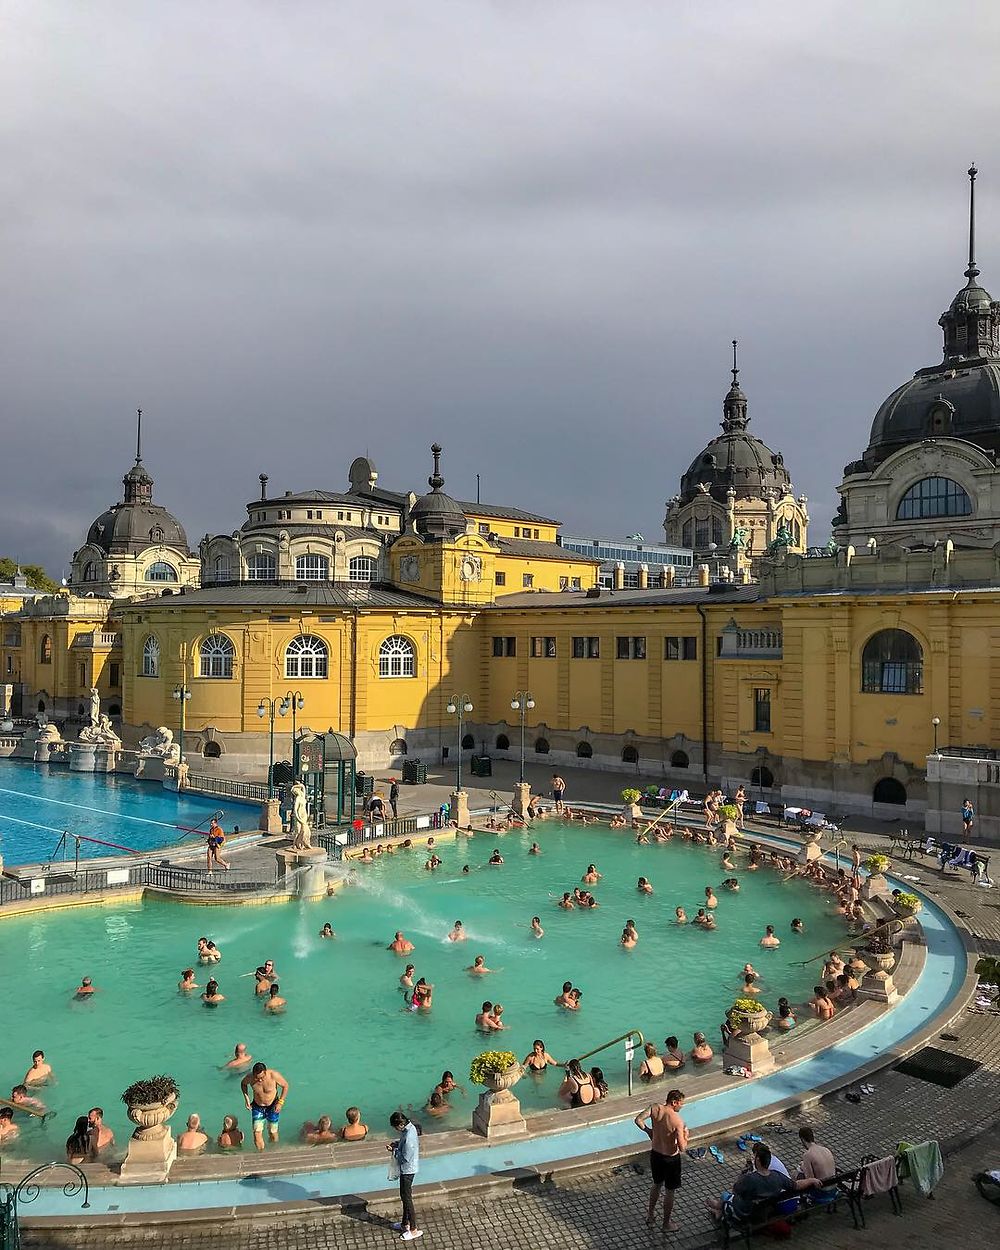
[{"x": 628, "y": 1037}]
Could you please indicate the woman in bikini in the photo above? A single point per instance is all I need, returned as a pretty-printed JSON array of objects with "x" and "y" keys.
[{"x": 539, "y": 1059}]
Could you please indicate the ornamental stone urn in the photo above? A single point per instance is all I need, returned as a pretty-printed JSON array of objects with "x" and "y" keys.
[
  {"x": 151, "y": 1148},
  {"x": 499, "y": 1112}
]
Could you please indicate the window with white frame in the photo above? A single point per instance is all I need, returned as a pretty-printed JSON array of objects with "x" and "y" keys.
[
  {"x": 217, "y": 654},
  {"x": 362, "y": 569},
  {"x": 151, "y": 657},
  {"x": 397, "y": 657},
  {"x": 307, "y": 656},
  {"x": 161, "y": 571},
  {"x": 312, "y": 568},
  {"x": 262, "y": 568}
]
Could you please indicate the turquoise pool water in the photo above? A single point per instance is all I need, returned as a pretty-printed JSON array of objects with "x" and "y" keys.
[
  {"x": 38, "y": 802},
  {"x": 345, "y": 1037}
]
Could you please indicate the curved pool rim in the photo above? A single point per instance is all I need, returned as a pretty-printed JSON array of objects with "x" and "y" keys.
[{"x": 459, "y": 1161}]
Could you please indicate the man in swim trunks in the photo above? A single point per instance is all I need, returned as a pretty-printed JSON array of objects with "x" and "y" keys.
[
  {"x": 266, "y": 1103},
  {"x": 40, "y": 1072},
  {"x": 264, "y": 976},
  {"x": 668, "y": 1138},
  {"x": 240, "y": 1058},
  {"x": 399, "y": 945}
]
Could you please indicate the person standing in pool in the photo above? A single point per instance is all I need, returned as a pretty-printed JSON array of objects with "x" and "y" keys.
[
  {"x": 668, "y": 1139},
  {"x": 40, "y": 1073},
  {"x": 241, "y": 1057},
  {"x": 275, "y": 1002},
  {"x": 558, "y": 791},
  {"x": 211, "y": 996},
  {"x": 536, "y": 927},
  {"x": 269, "y": 1089}
]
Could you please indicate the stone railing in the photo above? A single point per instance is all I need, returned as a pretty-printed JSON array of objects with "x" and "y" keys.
[{"x": 750, "y": 644}]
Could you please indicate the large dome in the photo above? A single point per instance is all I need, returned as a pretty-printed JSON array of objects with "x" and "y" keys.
[{"x": 136, "y": 523}]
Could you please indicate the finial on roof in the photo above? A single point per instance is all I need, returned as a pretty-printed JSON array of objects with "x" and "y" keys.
[
  {"x": 436, "y": 481},
  {"x": 736, "y": 368},
  {"x": 972, "y": 271},
  {"x": 138, "y": 436},
  {"x": 262, "y": 478}
]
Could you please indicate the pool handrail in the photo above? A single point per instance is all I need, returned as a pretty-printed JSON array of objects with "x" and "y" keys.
[
  {"x": 632, "y": 1033},
  {"x": 82, "y": 837}
]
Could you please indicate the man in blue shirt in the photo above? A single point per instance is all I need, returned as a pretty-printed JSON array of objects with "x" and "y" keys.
[{"x": 406, "y": 1151}]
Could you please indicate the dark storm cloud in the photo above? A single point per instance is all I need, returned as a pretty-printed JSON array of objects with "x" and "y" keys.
[{"x": 297, "y": 232}]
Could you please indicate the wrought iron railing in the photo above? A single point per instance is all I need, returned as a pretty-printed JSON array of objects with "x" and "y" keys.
[
  {"x": 27, "y": 1190},
  {"x": 99, "y": 880},
  {"x": 227, "y": 787}
]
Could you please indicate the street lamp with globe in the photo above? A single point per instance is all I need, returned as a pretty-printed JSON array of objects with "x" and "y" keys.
[{"x": 522, "y": 702}]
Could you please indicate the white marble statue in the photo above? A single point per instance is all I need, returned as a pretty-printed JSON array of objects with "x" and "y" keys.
[
  {"x": 95, "y": 707},
  {"x": 162, "y": 745},
  {"x": 102, "y": 734},
  {"x": 301, "y": 833}
]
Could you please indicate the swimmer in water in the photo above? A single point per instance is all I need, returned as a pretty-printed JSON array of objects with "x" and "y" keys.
[
  {"x": 680, "y": 916},
  {"x": 565, "y": 998},
  {"x": 750, "y": 973},
  {"x": 566, "y": 902},
  {"x": 465, "y": 870},
  {"x": 749, "y": 987},
  {"x": 495, "y": 859},
  {"x": 536, "y": 927},
  {"x": 264, "y": 976},
  {"x": 478, "y": 966},
  {"x": 539, "y": 1059},
  {"x": 591, "y": 876},
  {"x": 327, "y": 931},
  {"x": 643, "y": 886},
  {"x": 406, "y": 980},
  {"x": 241, "y": 1057},
  {"x": 40, "y": 1073},
  {"x": 457, "y": 933},
  {"x": 211, "y": 996},
  {"x": 275, "y": 1002},
  {"x": 726, "y": 863},
  {"x": 85, "y": 988},
  {"x": 534, "y": 849},
  {"x": 629, "y": 939},
  {"x": 732, "y": 885},
  {"x": 400, "y": 945},
  {"x": 710, "y": 899},
  {"x": 798, "y": 926},
  {"x": 769, "y": 941},
  {"x": 186, "y": 984}
]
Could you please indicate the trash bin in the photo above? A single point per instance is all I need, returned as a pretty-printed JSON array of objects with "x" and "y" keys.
[
  {"x": 482, "y": 766},
  {"x": 414, "y": 773},
  {"x": 364, "y": 785}
]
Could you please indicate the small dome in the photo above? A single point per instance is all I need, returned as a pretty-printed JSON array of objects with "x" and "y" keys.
[
  {"x": 437, "y": 515},
  {"x": 132, "y": 527},
  {"x": 970, "y": 297},
  {"x": 735, "y": 459}
]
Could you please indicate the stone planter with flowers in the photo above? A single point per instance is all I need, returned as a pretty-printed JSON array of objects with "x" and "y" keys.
[{"x": 498, "y": 1113}]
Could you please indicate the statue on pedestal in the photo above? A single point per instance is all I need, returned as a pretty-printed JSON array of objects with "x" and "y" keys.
[
  {"x": 301, "y": 833},
  {"x": 162, "y": 745},
  {"x": 95, "y": 706},
  {"x": 101, "y": 734}
]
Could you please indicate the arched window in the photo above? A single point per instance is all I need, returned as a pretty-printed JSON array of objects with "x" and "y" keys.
[
  {"x": 161, "y": 571},
  {"x": 362, "y": 569},
  {"x": 541, "y": 746},
  {"x": 630, "y": 755},
  {"x": 679, "y": 759},
  {"x": 503, "y": 742},
  {"x": 889, "y": 790},
  {"x": 468, "y": 743},
  {"x": 114, "y": 709},
  {"x": 312, "y": 568},
  {"x": 306, "y": 656},
  {"x": 45, "y": 652},
  {"x": 217, "y": 654},
  {"x": 933, "y": 496},
  {"x": 397, "y": 657},
  {"x": 717, "y": 531},
  {"x": 584, "y": 751},
  {"x": 762, "y": 778},
  {"x": 41, "y": 705},
  {"x": 262, "y": 568},
  {"x": 223, "y": 570},
  {"x": 151, "y": 657},
  {"x": 90, "y": 571},
  {"x": 687, "y": 534},
  {"x": 211, "y": 750},
  {"x": 892, "y": 663},
  {"x": 397, "y": 746}
]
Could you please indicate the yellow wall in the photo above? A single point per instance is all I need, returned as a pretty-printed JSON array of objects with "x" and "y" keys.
[{"x": 505, "y": 527}]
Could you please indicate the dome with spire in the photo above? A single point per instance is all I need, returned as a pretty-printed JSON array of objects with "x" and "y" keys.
[
  {"x": 735, "y": 459},
  {"x": 136, "y": 523},
  {"x": 436, "y": 515},
  {"x": 960, "y": 397}
]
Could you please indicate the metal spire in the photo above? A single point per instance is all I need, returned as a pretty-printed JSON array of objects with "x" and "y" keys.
[
  {"x": 436, "y": 481},
  {"x": 972, "y": 271},
  {"x": 736, "y": 368},
  {"x": 138, "y": 436}
]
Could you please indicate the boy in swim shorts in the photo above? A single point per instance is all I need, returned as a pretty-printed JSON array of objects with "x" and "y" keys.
[{"x": 269, "y": 1089}]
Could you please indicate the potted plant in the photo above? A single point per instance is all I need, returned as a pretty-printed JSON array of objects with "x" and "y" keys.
[
  {"x": 877, "y": 864},
  {"x": 496, "y": 1069},
  {"x": 875, "y": 883},
  {"x": 729, "y": 811},
  {"x": 747, "y": 1015},
  {"x": 631, "y": 795},
  {"x": 908, "y": 904},
  {"x": 150, "y": 1104}
]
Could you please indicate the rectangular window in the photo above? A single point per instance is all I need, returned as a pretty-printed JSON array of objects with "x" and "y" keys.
[
  {"x": 543, "y": 648},
  {"x": 564, "y": 583},
  {"x": 83, "y": 674},
  {"x": 689, "y": 649},
  {"x": 500, "y": 579},
  {"x": 114, "y": 675},
  {"x": 319, "y": 514},
  {"x": 683, "y": 648},
  {"x": 527, "y": 580},
  {"x": 630, "y": 648},
  {"x": 504, "y": 646},
  {"x": 483, "y": 527},
  {"x": 340, "y": 516},
  {"x": 762, "y": 711},
  {"x": 517, "y": 531},
  {"x": 587, "y": 648},
  {"x": 575, "y": 583},
  {"x": 10, "y": 666},
  {"x": 309, "y": 514}
]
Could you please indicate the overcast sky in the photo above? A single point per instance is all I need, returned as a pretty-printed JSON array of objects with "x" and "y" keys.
[{"x": 295, "y": 232}]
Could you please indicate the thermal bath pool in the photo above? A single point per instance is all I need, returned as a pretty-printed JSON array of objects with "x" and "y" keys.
[
  {"x": 345, "y": 1038},
  {"x": 38, "y": 802}
]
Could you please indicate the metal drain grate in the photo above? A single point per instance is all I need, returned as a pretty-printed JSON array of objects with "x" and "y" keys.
[{"x": 938, "y": 1067}]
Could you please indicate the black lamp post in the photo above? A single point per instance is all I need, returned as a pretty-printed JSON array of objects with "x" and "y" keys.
[
  {"x": 522, "y": 702},
  {"x": 935, "y": 721},
  {"x": 268, "y": 708},
  {"x": 458, "y": 705},
  {"x": 182, "y": 694},
  {"x": 296, "y": 702}
]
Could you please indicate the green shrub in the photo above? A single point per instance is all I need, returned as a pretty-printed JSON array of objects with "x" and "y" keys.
[
  {"x": 629, "y": 795},
  {"x": 153, "y": 1089},
  {"x": 877, "y": 864},
  {"x": 489, "y": 1061},
  {"x": 910, "y": 902}
]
